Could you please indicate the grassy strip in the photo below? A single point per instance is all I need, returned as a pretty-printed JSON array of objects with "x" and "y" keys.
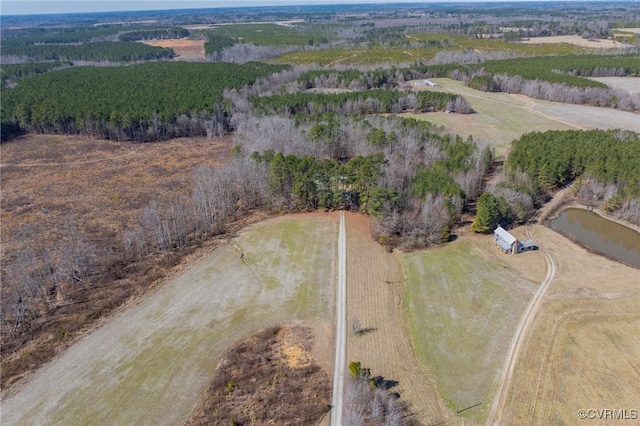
[{"x": 463, "y": 306}]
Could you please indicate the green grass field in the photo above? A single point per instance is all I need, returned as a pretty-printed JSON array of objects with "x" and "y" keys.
[
  {"x": 463, "y": 302},
  {"x": 499, "y": 118},
  {"x": 150, "y": 364}
]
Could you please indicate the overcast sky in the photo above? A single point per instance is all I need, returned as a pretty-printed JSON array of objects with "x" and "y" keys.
[{"x": 28, "y": 7}]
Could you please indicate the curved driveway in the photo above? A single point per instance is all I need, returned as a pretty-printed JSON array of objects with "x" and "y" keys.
[{"x": 499, "y": 400}]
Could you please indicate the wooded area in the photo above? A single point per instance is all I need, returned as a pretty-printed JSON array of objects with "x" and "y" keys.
[
  {"x": 151, "y": 101},
  {"x": 605, "y": 166},
  {"x": 105, "y": 51}
]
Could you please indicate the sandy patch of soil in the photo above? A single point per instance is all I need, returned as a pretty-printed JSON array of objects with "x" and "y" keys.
[
  {"x": 185, "y": 49},
  {"x": 576, "y": 40}
]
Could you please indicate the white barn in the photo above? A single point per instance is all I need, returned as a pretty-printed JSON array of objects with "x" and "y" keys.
[
  {"x": 510, "y": 244},
  {"x": 503, "y": 239}
]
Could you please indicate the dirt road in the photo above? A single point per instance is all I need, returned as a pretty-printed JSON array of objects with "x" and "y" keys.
[
  {"x": 495, "y": 410},
  {"x": 341, "y": 327}
]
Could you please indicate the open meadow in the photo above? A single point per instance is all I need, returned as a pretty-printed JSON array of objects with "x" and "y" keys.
[
  {"x": 152, "y": 362},
  {"x": 500, "y": 118},
  {"x": 628, "y": 84},
  {"x": 463, "y": 303},
  {"x": 583, "y": 351}
]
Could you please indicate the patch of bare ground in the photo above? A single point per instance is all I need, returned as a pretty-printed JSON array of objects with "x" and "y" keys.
[
  {"x": 185, "y": 49},
  {"x": 583, "y": 351},
  {"x": 576, "y": 40},
  {"x": 375, "y": 311},
  {"x": 270, "y": 378}
]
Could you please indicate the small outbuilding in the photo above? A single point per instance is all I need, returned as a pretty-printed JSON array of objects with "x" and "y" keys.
[{"x": 526, "y": 245}]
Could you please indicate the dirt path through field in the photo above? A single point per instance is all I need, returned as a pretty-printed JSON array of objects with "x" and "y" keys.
[
  {"x": 498, "y": 404},
  {"x": 341, "y": 328},
  {"x": 375, "y": 302},
  {"x": 495, "y": 411}
]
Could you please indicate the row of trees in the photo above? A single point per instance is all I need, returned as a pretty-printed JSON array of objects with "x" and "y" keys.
[
  {"x": 363, "y": 102},
  {"x": 98, "y": 52},
  {"x": 14, "y": 72},
  {"x": 154, "y": 34}
]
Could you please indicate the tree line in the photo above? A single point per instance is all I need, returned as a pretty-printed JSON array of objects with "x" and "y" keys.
[
  {"x": 604, "y": 164},
  {"x": 141, "y": 102},
  {"x": 154, "y": 34},
  {"x": 76, "y": 35},
  {"x": 99, "y": 52},
  {"x": 14, "y": 72},
  {"x": 374, "y": 101}
]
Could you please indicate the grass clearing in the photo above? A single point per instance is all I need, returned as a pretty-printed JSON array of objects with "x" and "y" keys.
[
  {"x": 464, "y": 301},
  {"x": 501, "y": 117},
  {"x": 628, "y": 84},
  {"x": 185, "y": 49},
  {"x": 150, "y": 364}
]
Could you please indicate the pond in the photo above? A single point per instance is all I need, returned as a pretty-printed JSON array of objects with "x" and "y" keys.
[{"x": 600, "y": 235}]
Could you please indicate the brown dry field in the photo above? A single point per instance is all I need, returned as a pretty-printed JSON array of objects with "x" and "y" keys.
[
  {"x": 583, "y": 351},
  {"x": 185, "y": 49},
  {"x": 100, "y": 184},
  {"x": 576, "y": 40},
  {"x": 101, "y": 187},
  {"x": 374, "y": 298}
]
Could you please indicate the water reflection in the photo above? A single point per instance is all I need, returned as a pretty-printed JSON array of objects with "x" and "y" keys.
[{"x": 599, "y": 234}]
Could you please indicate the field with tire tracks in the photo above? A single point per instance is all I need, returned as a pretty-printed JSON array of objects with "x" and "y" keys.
[{"x": 583, "y": 351}]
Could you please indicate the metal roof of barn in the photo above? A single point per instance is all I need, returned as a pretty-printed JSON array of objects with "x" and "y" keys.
[{"x": 505, "y": 236}]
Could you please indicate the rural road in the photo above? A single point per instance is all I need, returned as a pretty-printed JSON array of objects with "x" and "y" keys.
[
  {"x": 341, "y": 327},
  {"x": 495, "y": 411}
]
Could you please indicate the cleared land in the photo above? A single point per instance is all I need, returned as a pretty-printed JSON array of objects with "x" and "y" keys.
[
  {"x": 628, "y": 84},
  {"x": 185, "y": 49},
  {"x": 464, "y": 302},
  {"x": 501, "y": 117},
  {"x": 374, "y": 301},
  {"x": 584, "y": 348},
  {"x": 151, "y": 364},
  {"x": 575, "y": 40}
]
